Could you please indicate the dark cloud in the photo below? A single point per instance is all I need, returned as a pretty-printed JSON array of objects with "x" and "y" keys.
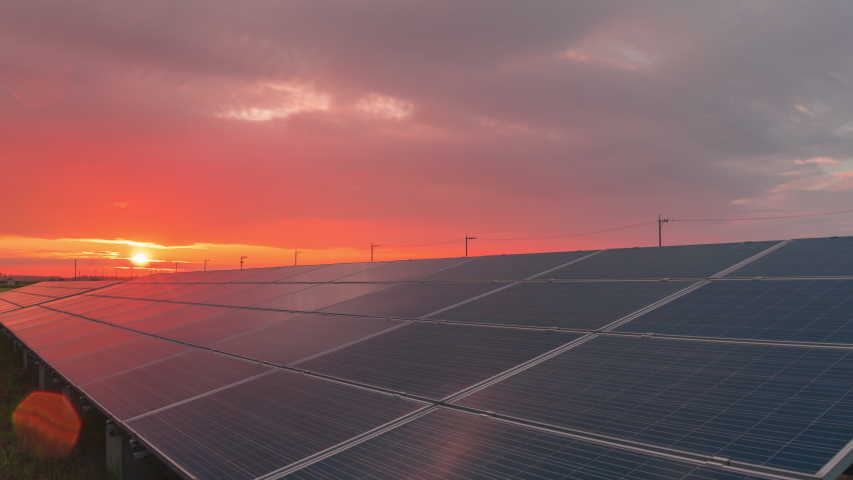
[{"x": 537, "y": 117}]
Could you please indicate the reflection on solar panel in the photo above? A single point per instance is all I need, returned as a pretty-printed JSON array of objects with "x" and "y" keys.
[
  {"x": 412, "y": 300},
  {"x": 265, "y": 424},
  {"x": 435, "y": 360},
  {"x": 506, "y": 267},
  {"x": 693, "y": 261},
  {"x": 790, "y": 310},
  {"x": 553, "y": 365},
  {"x": 572, "y": 305},
  {"x": 813, "y": 257},
  {"x": 780, "y": 406},
  {"x": 448, "y": 444}
]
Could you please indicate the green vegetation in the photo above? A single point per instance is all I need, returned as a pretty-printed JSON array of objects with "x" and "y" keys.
[
  {"x": 6, "y": 288},
  {"x": 86, "y": 462}
]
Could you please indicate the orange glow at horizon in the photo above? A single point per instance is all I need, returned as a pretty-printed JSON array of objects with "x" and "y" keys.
[{"x": 47, "y": 424}]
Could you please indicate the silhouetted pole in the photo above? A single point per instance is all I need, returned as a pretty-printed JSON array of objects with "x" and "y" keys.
[
  {"x": 205, "y": 264},
  {"x": 295, "y": 253},
  {"x": 242, "y": 257},
  {"x": 468, "y": 239},
  {"x": 661, "y": 221},
  {"x": 372, "y": 246},
  {"x": 75, "y": 269},
  {"x": 176, "y": 267}
]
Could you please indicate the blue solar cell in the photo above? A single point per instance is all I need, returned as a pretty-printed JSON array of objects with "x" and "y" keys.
[
  {"x": 295, "y": 338},
  {"x": 174, "y": 379},
  {"x": 791, "y": 310},
  {"x": 505, "y": 267},
  {"x": 436, "y": 360},
  {"x": 320, "y": 296},
  {"x": 685, "y": 261},
  {"x": 265, "y": 424},
  {"x": 572, "y": 305},
  {"x": 412, "y": 300},
  {"x": 449, "y": 444},
  {"x": 402, "y": 270},
  {"x": 133, "y": 351},
  {"x": 780, "y": 406},
  {"x": 811, "y": 257}
]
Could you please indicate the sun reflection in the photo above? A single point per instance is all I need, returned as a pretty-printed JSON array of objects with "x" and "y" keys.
[{"x": 47, "y": 424}]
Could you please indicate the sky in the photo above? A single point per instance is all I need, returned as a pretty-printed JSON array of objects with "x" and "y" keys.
[{"x": 192, "y": 130}]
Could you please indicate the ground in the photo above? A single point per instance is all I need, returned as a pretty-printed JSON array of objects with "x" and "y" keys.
[{"x": 86, "y": 462}]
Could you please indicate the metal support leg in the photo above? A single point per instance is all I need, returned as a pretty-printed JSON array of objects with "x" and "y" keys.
[{"x": 42, "y": 375}]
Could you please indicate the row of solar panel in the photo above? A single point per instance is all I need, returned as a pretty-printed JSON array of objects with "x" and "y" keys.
[
  {"x": 799, "y": 258},
  {"x": 782, "y": 406},
  {"x": 44, "y": 292},
  {"x": 779, "y": 310},
  {"x": 132, "y": 375}
]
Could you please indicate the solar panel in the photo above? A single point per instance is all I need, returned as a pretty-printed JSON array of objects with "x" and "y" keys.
[
  {"x": 811, "y": 257},
  {"x": 67, "y": 331},
  {"x": 259, "y": 294},
  {"x": 170, "y": 291},
  {"x": 778, "y": 406},
  {"x": 302, "y": 336},
  {"x": 789, "y": 310},
  {"x": 83, "y": 344},
  {"x": 144, "y": 310},
  {"x": 212, "y": 293},
  {"x": 572, "y": 305},
  {"x": 278, "y": 274},
  {"x": 732, "y": 372},
  {"x": 435, "y": 360},
  {"x": 229, "y": 324},
  {"x": 265, "y": 424},
  {"x": 402, "y": 270},
  {"x": 320, "y": 296},
  {"x": 412, "y": 300},
  {"x": 686, "y": 261},
  {"x": 125, "y": 352},
  {"x": 449, "y": 444},
  {"x": 149, "y": 387},
  {"x": 505, "y": 267},
  {"x": 330, "y": 273},
  {"x": 175, "y": 318}
]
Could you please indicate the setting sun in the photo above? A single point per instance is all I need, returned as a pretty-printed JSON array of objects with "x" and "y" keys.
[{"x": 140, "y": 258}]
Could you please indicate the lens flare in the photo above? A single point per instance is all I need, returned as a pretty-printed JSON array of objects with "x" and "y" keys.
[{"x": 47, "y": 424}]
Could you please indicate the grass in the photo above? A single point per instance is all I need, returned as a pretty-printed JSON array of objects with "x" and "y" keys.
[
  {"x": 86, "y": 462},
  {"x": 6, "y": 288}
]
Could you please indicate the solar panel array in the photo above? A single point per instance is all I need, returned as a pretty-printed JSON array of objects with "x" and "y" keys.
[{"x": 729, "y": 361}]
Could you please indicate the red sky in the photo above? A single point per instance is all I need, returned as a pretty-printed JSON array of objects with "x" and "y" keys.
[{"x": 256, "y": 128}]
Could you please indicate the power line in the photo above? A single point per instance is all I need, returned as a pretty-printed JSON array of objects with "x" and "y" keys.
[
  {"x": 574, "y": 234},
  {"x": 424, "y": 244},
  {"x": 762, "y": 218}
]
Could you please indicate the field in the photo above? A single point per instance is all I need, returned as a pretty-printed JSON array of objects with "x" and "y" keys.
[{"x": 87, "y": 461}]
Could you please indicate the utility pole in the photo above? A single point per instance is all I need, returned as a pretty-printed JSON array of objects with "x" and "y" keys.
[
  {"x": 205, "y": 264},
  {"x": 75, "y": 269},
  {"x": 295, "y": 253},
  {"x": 372, "y": 246},
  {"x": 242, "y": 257},
  {"x": 176, "y": 267},
  {"x": 468, "y": 239},
  {"x": 116, "y": 273},
  {"x": 661, "y": 221}
]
